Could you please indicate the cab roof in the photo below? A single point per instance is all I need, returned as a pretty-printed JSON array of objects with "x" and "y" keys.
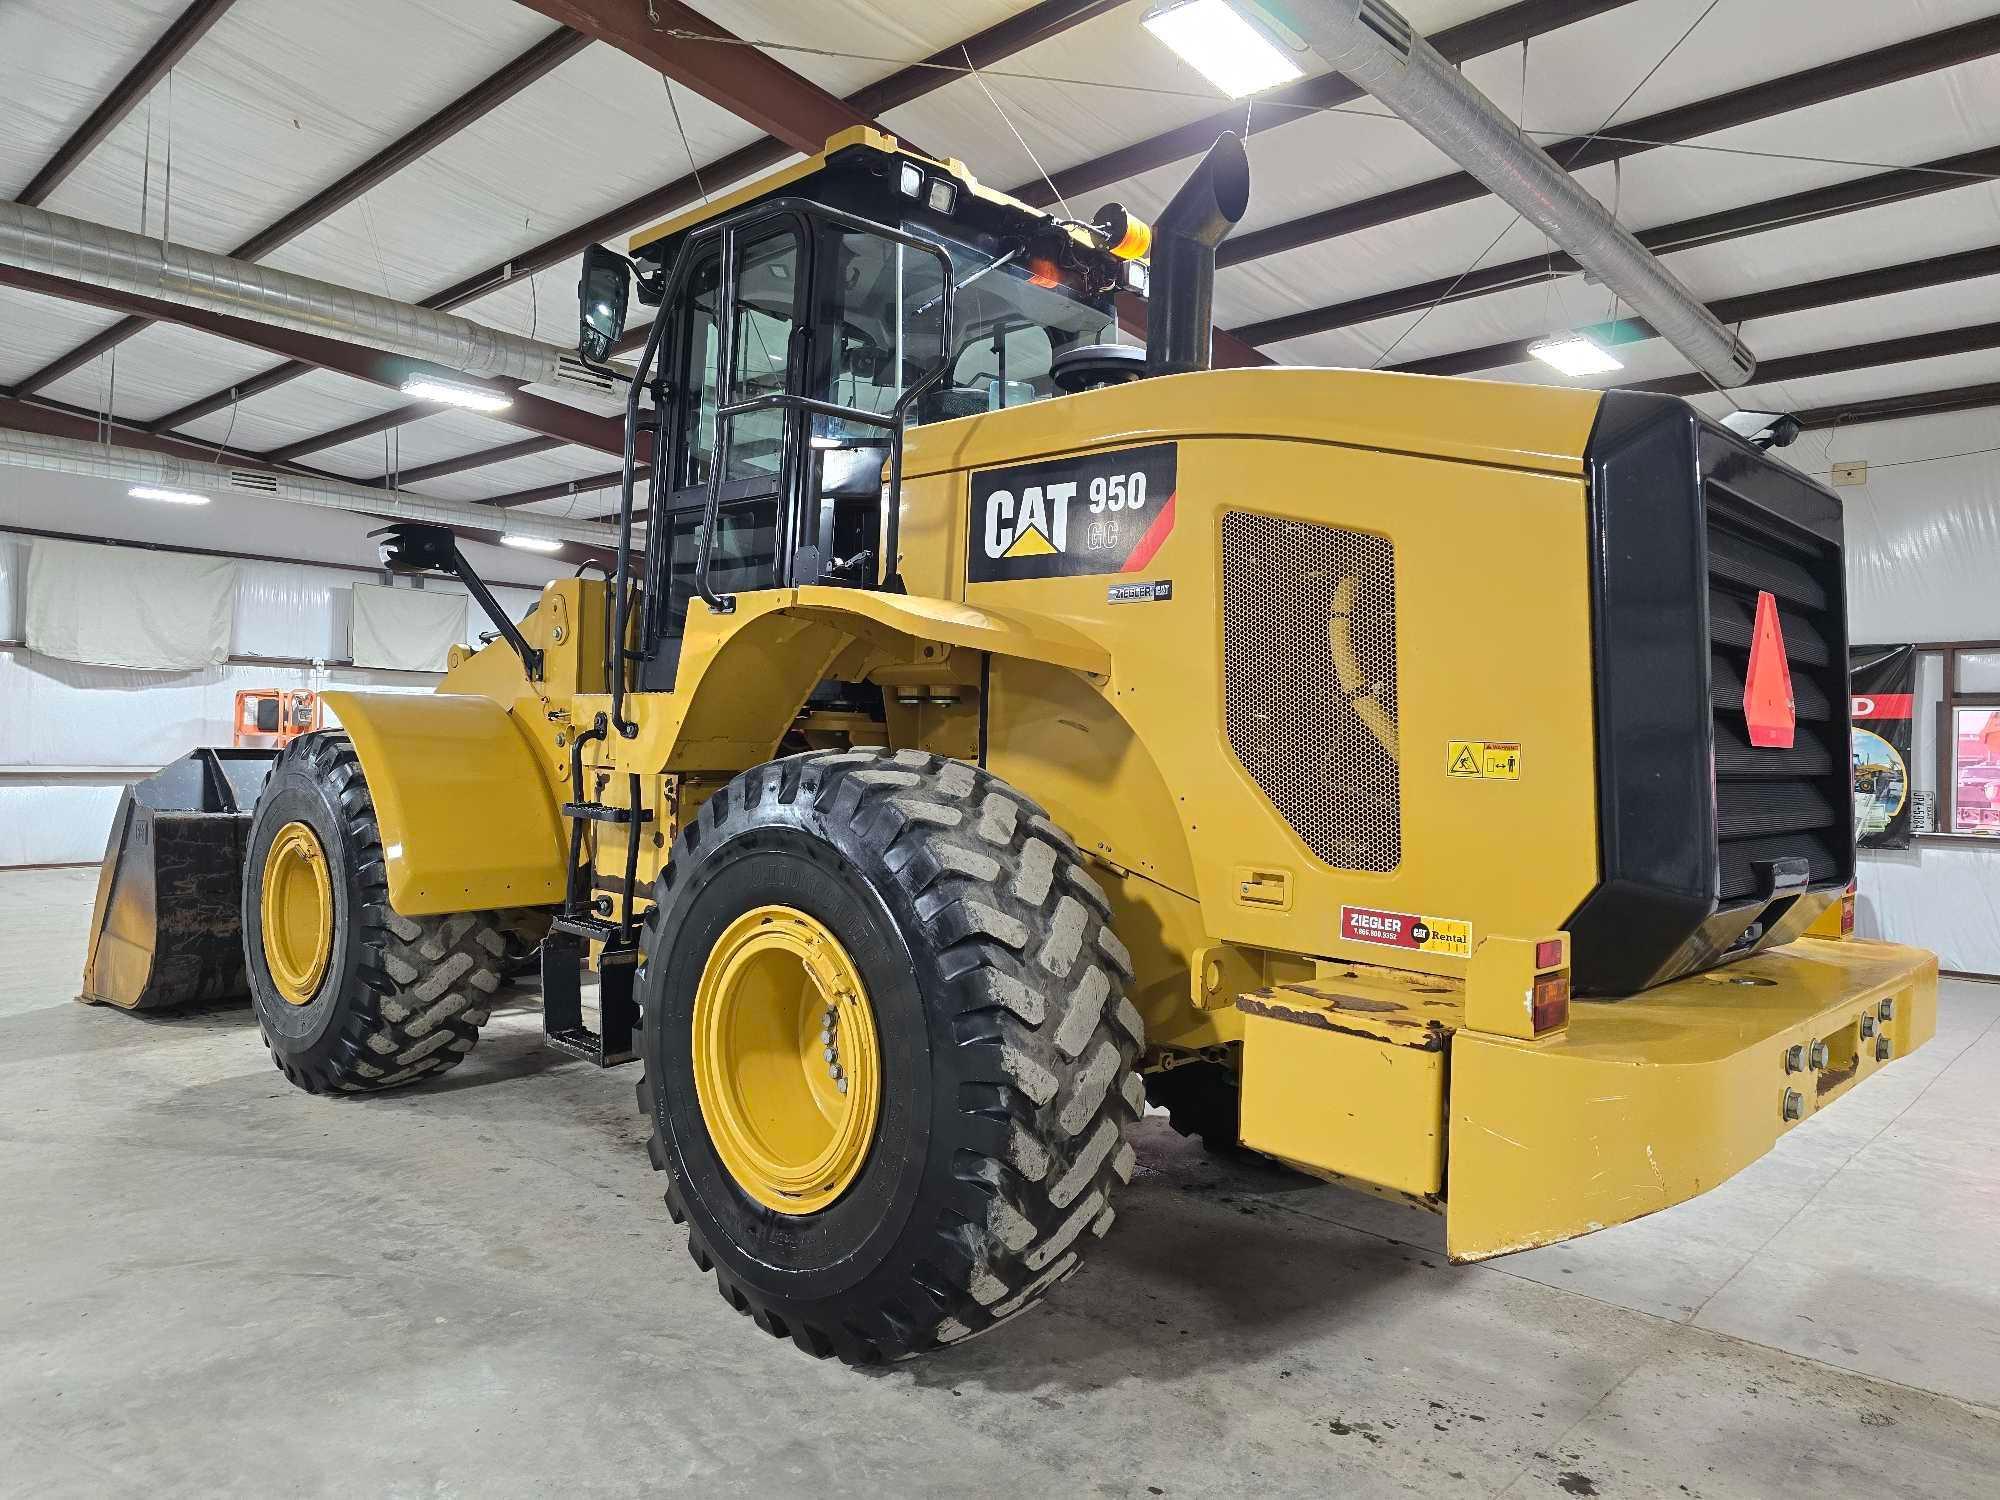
[{"x": 862, "y": 138}]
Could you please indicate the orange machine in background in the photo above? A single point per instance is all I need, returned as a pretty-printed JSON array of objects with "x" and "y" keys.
[{"x": 268, "y": 718}]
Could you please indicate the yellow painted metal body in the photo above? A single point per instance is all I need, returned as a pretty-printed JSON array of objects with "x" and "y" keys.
[
  {"x": 467, "y": 818},
  {"x": 1346, "y": 1075},
  {"x": 1113, "y": 717},
  {"x": 1647, "y": 1101},
  {"x": 787, "y": 1066},
  {"x": 1638, "y": 1104}
]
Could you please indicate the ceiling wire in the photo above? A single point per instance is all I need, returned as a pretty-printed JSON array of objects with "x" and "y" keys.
[
  {"x": 223, "y": 447},
  {"x": 1357, "y": 110},
  {"x": 1929, "y": 458},
  {"x": 1494, "y": 243},
  {"x": 1008, "y": 122},
  {"x": 694, "y": 167},
  {"x": 167, "y": 182},
  {"x": 381, "y": 265}
]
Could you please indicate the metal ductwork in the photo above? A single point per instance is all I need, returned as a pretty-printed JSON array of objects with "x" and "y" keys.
[
  {"x": 1379, "y": 51},
  {"x": 135, "y": 466},
  {"x": 56, "y": 245},
  {"x": 1180, "y": 311}
]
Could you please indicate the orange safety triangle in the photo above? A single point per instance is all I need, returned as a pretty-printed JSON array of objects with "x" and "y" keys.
[{"x": 1767, "y": 687}]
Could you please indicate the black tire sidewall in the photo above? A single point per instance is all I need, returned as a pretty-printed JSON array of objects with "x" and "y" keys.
[
  {"x": 305, "y": 1035},
  {"x": 784, "y": 853}
]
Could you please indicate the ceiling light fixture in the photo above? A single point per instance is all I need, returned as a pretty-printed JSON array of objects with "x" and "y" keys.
[
  {"x": 1222, "y": 44},
  {"x": 530, "y": 543},
  {"x": 172, "y": 497},
  {"x": 471, "y": 397},
  {"x": 1575, "y": 355}
]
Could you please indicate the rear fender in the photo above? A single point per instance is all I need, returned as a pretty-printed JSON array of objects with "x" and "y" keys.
[
  {"x": 744, "y": 675},
  {"x": 468, "y": 820}
]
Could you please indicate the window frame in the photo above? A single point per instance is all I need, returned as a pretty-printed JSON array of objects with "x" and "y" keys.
[{"x": 1951, "y": 698}]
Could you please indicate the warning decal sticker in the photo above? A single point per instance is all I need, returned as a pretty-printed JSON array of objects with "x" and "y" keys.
[
  {"x": 1095, "y": 513},
  {"x": 1483, "y": 760},
  {"x": 1398, "y": 929}
]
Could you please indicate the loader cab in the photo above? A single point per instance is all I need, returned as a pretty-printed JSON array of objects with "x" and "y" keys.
[{"x": 804, "y": 324}]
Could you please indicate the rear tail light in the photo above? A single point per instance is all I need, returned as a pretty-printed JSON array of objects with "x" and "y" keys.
[
  {"x": 1847, "y": 911},
  {"x": 1549, "y": 1004}
]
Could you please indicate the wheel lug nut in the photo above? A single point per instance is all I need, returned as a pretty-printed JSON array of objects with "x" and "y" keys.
[
  {"x": 841, "y": 1084},
  {"x": 827, "y": 1053},
  {"x": 835, "y": 1072}
]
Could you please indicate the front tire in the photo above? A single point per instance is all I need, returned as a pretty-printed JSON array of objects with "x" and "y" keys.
[
  {"x": 1003, "y": 1039},
  {"x": 350, "y": 994}
]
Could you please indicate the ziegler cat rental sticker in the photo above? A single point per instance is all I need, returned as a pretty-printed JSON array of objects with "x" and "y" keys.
[{"x": 1401, "y": 929}]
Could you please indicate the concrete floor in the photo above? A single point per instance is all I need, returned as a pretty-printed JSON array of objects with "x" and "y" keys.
[{"x": 211, "y": 1284}]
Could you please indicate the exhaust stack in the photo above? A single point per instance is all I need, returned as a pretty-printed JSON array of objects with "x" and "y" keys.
[{"x": 1180, "y": 315}]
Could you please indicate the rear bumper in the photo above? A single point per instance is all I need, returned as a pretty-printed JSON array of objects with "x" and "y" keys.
[
  {"x": 1373, "y": 1076},
  {"x": 1645, "y": 1102}
]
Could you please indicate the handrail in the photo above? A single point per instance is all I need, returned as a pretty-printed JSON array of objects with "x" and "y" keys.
[{"x": 615, "y": 656}]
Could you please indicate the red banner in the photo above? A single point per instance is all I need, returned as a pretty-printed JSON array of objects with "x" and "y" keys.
[{"x": 1884, "y": 705}]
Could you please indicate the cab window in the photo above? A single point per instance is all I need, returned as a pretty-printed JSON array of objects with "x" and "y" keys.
[{"x": 765, "y": 316}]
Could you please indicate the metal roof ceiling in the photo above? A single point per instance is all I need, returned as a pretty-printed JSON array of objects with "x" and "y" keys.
[{"x": 274, "y": 102}]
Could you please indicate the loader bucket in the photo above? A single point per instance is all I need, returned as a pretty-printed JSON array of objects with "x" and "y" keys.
[{"x": 168, "y": 925}]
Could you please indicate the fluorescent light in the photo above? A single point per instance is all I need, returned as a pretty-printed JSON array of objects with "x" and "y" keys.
[
  {"x": 172, "y": 497},
  {"x": 471, "y": 397},
  {"x": 1573, "y": 354},
  {"x": 530, "y": 543},
  {"x": 1222, "y": 44}
]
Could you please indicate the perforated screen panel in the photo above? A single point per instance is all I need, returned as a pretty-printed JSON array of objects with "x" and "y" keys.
[{"x": 1309, "y": 681}]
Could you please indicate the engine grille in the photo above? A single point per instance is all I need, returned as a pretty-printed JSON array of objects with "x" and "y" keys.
[
  {"x": 1772, "y": 803},
  {"x": 1309, "y": 681}
]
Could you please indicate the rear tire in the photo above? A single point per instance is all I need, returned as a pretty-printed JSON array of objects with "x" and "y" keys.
[
  {"x": 1006, "y": 1048},
  {"x": 401, "y": 998}
]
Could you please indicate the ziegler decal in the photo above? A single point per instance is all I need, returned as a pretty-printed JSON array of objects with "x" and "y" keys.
[
  {"x": 1400, "y": 929},
  {"x": 1096, "y": 513}
]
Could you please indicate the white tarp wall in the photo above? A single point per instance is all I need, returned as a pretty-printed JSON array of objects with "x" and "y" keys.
[
  {"x": 1923, "y": 564},
  {"x": 71, "y": 736},
  {"x": 125, "y": 607},
  {"x": 404, "y": 630}
]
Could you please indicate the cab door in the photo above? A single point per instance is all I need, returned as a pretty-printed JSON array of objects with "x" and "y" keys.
[{"x": 767, "y": 305}]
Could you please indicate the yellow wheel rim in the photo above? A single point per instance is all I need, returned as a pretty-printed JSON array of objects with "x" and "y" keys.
[
  {"x": 297, "y": 913},
  {"x": 792, "y": 1123}
]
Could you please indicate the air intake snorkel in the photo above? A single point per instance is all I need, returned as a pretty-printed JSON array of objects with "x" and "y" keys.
[{"x": 1180, "y": 315}]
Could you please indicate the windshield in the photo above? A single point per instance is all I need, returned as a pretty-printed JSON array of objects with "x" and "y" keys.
[{"x": 1010, "y": 321}]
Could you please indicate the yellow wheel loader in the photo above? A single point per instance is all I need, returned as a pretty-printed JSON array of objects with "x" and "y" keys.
[{"x": 1425, "y": 782}]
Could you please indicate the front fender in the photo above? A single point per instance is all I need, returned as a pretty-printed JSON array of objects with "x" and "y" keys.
[{"x": 468, "y": 820}]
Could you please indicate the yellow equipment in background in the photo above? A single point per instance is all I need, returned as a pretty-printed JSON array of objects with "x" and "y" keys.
[{"x": 1000, "y": 726}]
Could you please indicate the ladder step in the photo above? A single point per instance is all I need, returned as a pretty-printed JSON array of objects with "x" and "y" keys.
[
  {"x": 617, "y": 949},
  {"x": 581, "y": 1041},
  {"x": 598, "y": 812},
  {"x": 613, "y": 1040}
]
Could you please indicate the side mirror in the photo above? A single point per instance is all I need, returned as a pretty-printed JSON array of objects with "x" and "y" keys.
[{"x": 601, "y": 297}]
